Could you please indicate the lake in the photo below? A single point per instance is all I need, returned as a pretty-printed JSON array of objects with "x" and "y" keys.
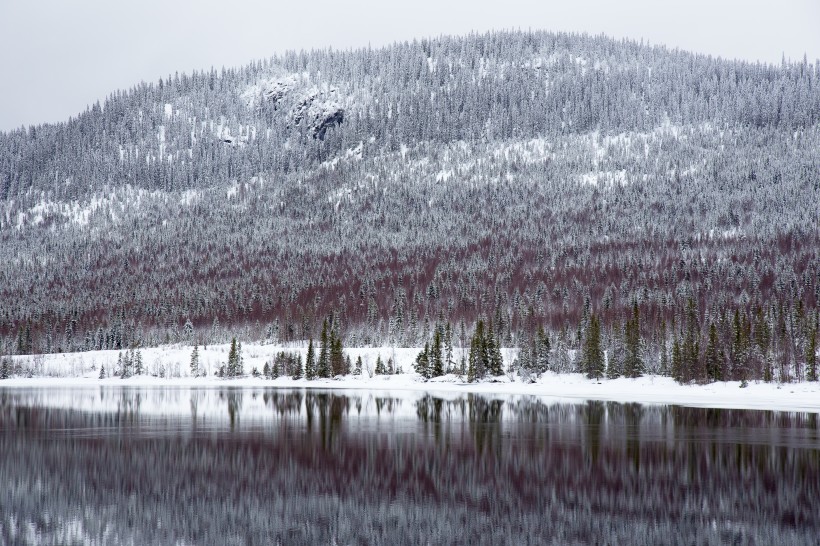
[{"x": 164, "y": 466}]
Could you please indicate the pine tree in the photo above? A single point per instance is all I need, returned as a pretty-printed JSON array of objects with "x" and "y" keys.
[
  {"x": 664, "y": 360},
  {"x": 616, "y": 360},
  {"x": 691, "y": 363},
  {"x": 472, "y": 361},
  {"x": 124, "y": 365},
  {"x": 298, "y": 370},
  {"x": 102, "y": 372},
  {"x": 542, "y": 353},
  {"x": 739, "y": 353},
  {"x": 323, "y": 364},
  {"x": 712, "y": 356},
  {"x": 357, "y": 370},
  {"x": 5, "y": 367},
  {"x": 423, "y": 362},
  {"x": 380, "y": 369},
  {"x": 478, "y": 360},
  {"x": 448, "y": 348},
  {"x": 138, "y": 363},
  {"x": 348, "y": 365},
  {"x": 436, "y": 361},
  {"x": 266, "y": 371},
  {"x": 337, "y": 358},
  {"x": 811, "y": 356},
  {"x": 195, "y": 362},
  {"x": 310, "y": 362},
  {"x": 633, "y": 361},
  {"x": 234, "y": 368},
  {"x": 677, "y": 361},
  {"x": 593, "y": 354},
  {"x": 495, "y": 362}
]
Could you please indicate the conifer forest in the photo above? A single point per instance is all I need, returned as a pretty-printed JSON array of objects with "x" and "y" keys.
[{"x": 603, "y": 206}]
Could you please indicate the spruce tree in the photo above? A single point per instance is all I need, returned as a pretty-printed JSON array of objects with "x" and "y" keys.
[
  {"x": 423, "y": 362},
  {"x": 310, "y": 362},
  {"x": 234, "y": 368},
  {"x": 593, "y": 354},
  {"x": 811, "y": 356},
  {"x": 436, "y": 361},
  {"x": 323, "y": 364},
  {"x": 298, "y": 371},
  {"x": 479, "y": 361},
  {"x": 357, "y": 370},
  {"x": 195, "y": 362},
  {"x": 124, "y": 365},
  {"x": 380, "y": 369},
  {"x": 617, "y": 353},
  {"x": 633, "y": 361},
  {"x": 664, "y": 359},
  {"x": 542, "y": 353},
  {"x": 677, "y": 361},
  {"x": 495, "y": 362},
  {"x": 101, "y": 376},
  {"x": 337, "y": 358},
  {"x": 712, "y": 356}
]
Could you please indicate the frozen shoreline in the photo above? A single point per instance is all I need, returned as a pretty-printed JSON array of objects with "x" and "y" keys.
[{"x": 81, "y": 370}]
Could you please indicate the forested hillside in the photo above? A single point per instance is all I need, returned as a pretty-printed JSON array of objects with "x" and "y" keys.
[{"x": 656, "y": 206}]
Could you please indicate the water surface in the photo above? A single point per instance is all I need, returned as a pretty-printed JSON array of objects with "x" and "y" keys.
[{"x": 255, "y": 466}]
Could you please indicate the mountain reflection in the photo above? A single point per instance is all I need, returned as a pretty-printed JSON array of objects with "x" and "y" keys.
[{"x": 233, "y": 466}]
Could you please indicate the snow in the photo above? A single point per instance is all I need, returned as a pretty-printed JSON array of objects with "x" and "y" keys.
[{"x": 82, "y": 369}]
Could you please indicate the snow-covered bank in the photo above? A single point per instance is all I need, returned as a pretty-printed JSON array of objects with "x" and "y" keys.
[{"x": 82, "y": 370}]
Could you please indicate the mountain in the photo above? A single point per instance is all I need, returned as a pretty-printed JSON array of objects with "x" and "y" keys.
[{"x": 528, "y": 178}]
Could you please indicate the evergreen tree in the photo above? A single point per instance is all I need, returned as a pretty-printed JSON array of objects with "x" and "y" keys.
[
  {"x": 616, "y": 357},
  {"x": 811, "y": 356},
  {"x": 677, "y": 361},
  {"x": 357, "y": 370},
  {"x": 436, "y": 361},
  {"x": 633, "y": 361},
  {"x": 449, "y": 364},
  {"x": 124, "y": 365},
  {"x": 337, "y": 357},
  {"x": 495, "y": 362},
  {"x": 195, "y": 362},
  {"x": 478, "y": 360},
  {"x": 138, "y": 368},
  {"x": 266, "y": 370},
  {"x": 423, "y": 362},
  {"x": 664, "y": 357},
  {"x": 102, "y": 372},
  {"x": 310, "y": 362},
  {"x": 542, "y": 353},
  {"x": 5, "y": 367},
  {"x": 323, "y": 364},
  {"x": 380, "y": 369},
  {"x": 593, "y": 354},
  {"x": 298, "y": 371},
  {"x": 234, "y": 368},
  {"x": 692, "y": 367},
  {"x": 712, "y": 356}
]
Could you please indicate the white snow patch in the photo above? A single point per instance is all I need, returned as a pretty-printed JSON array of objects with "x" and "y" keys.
[{"x": 82, "y": 370}]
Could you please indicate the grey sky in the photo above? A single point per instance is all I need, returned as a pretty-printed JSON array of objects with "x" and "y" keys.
[{"x": 58, "y": 56}]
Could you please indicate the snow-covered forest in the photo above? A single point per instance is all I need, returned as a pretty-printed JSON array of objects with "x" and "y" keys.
[{"x": 604, "y": 206}]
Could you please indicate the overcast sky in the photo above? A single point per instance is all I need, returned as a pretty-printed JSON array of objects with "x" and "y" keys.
[{"x": 58, "y": 56}]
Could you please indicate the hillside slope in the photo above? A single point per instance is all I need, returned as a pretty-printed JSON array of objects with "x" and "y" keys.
[{"x": 527, "y": 178}]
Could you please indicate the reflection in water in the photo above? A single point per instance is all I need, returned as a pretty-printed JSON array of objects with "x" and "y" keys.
[{"x": 232, "y": 466}]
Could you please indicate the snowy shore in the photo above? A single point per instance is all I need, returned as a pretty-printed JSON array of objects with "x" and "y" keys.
[{"x": 82, "y": 370}]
